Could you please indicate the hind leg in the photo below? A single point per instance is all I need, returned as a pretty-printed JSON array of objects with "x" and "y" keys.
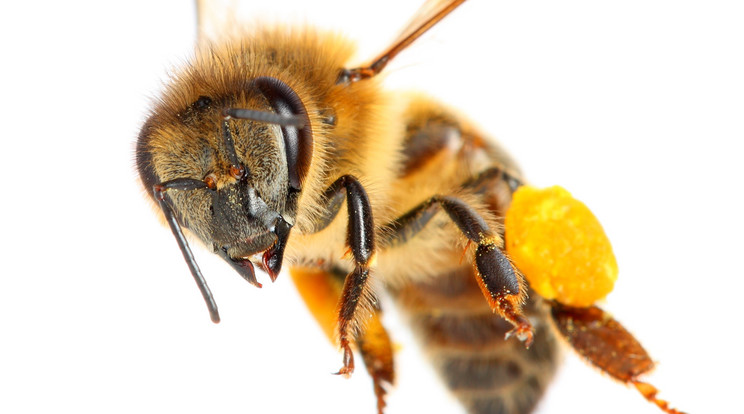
[{"x": 601, "y": 340}]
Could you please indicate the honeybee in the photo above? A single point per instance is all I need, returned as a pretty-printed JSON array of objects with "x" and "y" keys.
[{"x": 274, "y": 153}]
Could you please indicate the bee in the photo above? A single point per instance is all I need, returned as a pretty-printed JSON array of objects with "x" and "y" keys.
[{"x": 274, "y": 153}]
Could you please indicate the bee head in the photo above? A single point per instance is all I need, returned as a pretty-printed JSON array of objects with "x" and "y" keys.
[{"x": 230, "y": 174}]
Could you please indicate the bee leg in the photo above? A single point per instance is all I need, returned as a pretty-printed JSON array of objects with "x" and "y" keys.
[
  {"x": 486, "y": 179},
  {"x": 500, "y": 283},
  {"x": 377, "y": 353},
  {"x": 606, "y": 344},
  {"x": 361, "y": 241},
  {"x": 321, "y": 291}
]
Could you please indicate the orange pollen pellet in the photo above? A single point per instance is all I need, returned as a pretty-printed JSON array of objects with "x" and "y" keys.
[{"x": 559, "y": 246}]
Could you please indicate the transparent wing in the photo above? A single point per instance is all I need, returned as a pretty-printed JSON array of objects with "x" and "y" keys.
[
  {"x": 426, "y": 17},
  {"x": 214, "y": 17}
]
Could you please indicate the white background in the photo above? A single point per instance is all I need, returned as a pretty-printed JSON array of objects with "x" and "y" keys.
[{"x": 635, "y": 106}]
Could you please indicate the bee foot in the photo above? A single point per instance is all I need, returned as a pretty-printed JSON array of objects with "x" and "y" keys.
[
  {"x": 523, "y": 332},
  {"x": 348, "y": 367}
]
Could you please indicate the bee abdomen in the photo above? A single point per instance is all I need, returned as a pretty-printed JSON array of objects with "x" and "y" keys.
[{"x": 465, "y": 342}]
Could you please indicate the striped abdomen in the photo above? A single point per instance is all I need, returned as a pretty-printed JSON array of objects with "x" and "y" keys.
[
  {"x": 459, "y": 332},
  {"x": 465, "y": 342}
]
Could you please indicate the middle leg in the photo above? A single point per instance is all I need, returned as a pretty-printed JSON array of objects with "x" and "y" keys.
[{"x": 501, "y": 284}]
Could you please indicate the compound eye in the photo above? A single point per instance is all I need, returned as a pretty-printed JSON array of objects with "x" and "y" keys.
[
  {"x": 298, "y": 141},
  {"x": 211, "y": 181}
]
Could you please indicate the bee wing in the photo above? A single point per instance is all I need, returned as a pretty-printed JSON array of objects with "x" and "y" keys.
[
  {"x": 427, "y": 16},
  {"x": 214, "y": 18}
]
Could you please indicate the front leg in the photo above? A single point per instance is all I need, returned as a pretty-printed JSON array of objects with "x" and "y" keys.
[
  {"x": 321, "y": 291},
  {"x": 500, "y": 283},
  {"x": 361, "y": 241}
]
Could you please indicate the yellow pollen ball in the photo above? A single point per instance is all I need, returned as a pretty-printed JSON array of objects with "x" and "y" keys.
[{"x": 559, "y": 246}]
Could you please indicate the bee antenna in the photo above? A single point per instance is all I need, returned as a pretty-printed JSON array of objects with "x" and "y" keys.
[
  {"x": 296, "y": 121},
  {"x": 237, "y": 170},
  {"x": 159, "y": 193}
]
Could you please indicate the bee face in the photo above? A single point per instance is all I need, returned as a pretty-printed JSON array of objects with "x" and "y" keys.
[{"x": 241, "y": 165}]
